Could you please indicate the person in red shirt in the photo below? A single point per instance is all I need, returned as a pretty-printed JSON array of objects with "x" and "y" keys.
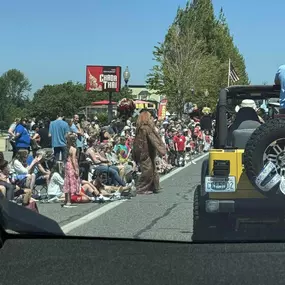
[{"x": 180, "y": 146}]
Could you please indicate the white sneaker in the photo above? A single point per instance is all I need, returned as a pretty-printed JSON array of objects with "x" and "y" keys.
[
  {"x": 133, "y": 189},
  {"x": 102, "y": 198},
  {"x": 69, "y": 205},
  {"x": 117, "y": 193},
  {"x": 131, "y": 184},
  {"x": 116, "y": 196}
]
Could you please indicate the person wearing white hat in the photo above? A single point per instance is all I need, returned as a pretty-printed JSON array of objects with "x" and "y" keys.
[{"x": 248, "y": 103}]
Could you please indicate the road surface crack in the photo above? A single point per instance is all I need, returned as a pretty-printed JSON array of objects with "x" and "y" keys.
[{"x": 148, "y": 227}]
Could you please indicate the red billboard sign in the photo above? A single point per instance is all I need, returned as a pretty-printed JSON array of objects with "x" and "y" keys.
[{"x": 103, "y": 78}]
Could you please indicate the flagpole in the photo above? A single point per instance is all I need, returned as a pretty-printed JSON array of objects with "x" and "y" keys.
[{"x": 229, "y": 72}]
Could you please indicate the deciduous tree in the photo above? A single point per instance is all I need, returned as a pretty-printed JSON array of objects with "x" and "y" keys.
[
  {"x": 67, "y": 97},
  {"x": 17, "y": 86}
]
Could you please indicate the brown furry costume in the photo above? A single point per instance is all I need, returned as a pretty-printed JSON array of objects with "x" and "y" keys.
[{"x": 147, "y": 142}]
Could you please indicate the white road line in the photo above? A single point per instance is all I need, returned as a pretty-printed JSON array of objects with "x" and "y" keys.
[
  {"x": 89, "y": 217},
  {"x": 175, "y": 171},
  {"x": 97, "y": 213}
]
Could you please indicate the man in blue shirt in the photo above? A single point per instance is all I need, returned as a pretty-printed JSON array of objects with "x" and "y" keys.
[
  {"x": 280, "y": 80},
  {"x": 22, "y": 137},
  {"x": 58, "y": 131}
]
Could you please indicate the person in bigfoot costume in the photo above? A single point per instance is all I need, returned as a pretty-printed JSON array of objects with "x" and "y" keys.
[{"x": 145, "y": 147}]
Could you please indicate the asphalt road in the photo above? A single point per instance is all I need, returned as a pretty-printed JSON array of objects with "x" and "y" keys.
[{"x": 163, "y": 216}]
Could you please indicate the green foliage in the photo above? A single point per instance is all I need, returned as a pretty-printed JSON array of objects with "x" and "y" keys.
[
  {"x": 53, "y": 99},
  {"x": 14, "y": 91},
  {"x": 226, "y": 49},
  {"x": 16, "y": 86},
  {"x": 3, "y": 125},
  {"x": 102, "y": 118},
  {"x": 17, "y": 112},
  {"x": 48, "y": 101},
  {"x": 195, "y": 56},
  {"x": 67, "y": 97}
]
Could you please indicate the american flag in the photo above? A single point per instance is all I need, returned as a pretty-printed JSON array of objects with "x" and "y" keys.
[{"x": 233, "y": 74}]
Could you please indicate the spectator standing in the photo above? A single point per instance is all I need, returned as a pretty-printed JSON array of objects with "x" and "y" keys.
[
  {"x": 58, "y": 130},
  {"x": 206, "y": 120},
  {"x": 76, "y": 129},
  {"x": 180, "y": 146},
  {"x": 11, "y": 132},
  {"x": 71, "y": 184},
  {"x": 32, "y": 123},
  {"x": 42, "y": 136},
  {"x": 22, "y": 137}
]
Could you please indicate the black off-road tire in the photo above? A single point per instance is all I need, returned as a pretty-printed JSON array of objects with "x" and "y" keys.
[
  {"x": 200, "y": 222},
  {"x": 204, "y": 173},
  {"x": 196, "y": 207},
  {"x": 201, "y": 219},
  {"x": 261, "y": 138}
]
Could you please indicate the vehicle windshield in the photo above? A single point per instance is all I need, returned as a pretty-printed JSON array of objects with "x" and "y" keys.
[{"x": 109, "y": 124}]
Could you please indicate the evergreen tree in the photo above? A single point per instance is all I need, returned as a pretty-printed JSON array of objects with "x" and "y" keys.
[
  {"x": 195, "y": 56},
  {"x": 225, "y": 50}
]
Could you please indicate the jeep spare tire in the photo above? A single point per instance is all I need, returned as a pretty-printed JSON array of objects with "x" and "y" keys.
[{"x": 266, "y": 144}]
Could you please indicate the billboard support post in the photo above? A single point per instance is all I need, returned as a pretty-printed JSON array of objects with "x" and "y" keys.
[{"x": 110, "y": 108}]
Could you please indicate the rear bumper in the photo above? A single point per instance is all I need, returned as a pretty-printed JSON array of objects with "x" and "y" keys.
[{"x": 241, "y": 206}]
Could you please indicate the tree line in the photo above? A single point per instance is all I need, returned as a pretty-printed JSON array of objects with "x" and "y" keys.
[
  {"x": 192, "y": 58},
  {"x": 192, "y": 61},
  {"x": 47, "y": 102}
]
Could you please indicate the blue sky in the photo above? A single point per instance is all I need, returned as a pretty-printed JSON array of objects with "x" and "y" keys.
[{"x": 52, "y": 41}]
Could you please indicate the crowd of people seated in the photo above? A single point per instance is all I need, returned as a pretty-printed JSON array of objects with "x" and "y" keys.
[{"x": 72, "y": 161}]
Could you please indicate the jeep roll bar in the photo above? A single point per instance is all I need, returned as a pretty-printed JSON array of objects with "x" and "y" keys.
[
  {"x": 221, "y": 122},
  {"x": 239, "y": 92}
]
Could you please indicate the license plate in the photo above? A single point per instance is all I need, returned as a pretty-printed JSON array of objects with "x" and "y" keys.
[{"x": 220, "y": 184}]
